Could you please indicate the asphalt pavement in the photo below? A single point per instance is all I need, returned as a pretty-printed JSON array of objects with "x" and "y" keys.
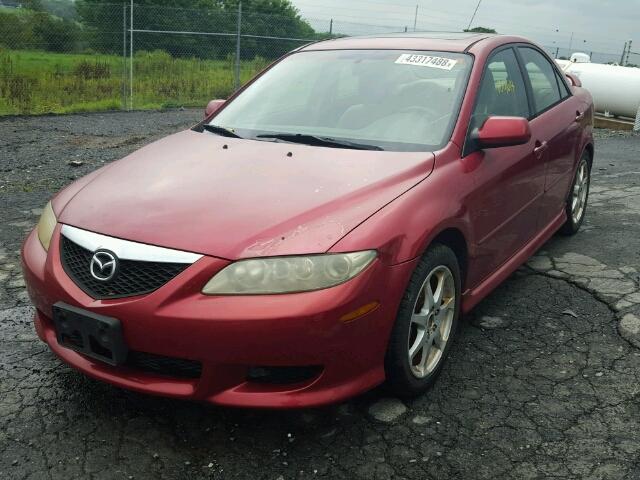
[{"x": 543, "y": 381}]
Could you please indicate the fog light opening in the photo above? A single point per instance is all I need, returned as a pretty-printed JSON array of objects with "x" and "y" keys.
[{"x": 282, "y": 375}]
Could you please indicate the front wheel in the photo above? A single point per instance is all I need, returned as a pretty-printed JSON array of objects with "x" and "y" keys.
[
  {"x": 576, "y": 205},
  {"x": 426, "y": 323}
]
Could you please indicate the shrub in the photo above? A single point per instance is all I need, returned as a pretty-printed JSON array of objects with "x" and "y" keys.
[
  {"x": 19, "y": 89},
  {"x": 92, "y": 71}
]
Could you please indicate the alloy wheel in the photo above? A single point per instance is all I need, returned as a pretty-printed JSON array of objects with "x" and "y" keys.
[
  {"x": 579, "y": 193},
  {"x": 431, "y": 321}
]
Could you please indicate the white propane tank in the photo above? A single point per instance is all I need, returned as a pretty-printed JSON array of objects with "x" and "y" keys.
[
  {"x": 580, "y": 58},
  {"x": 615, "y": 89}
]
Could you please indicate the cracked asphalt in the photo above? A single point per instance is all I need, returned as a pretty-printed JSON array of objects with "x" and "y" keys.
[{"x": 543, "y": 381}]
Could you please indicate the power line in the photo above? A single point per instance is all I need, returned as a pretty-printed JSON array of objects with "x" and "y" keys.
[{"x": 447, "y": 18}]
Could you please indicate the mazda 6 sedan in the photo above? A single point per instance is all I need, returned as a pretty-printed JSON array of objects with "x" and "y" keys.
[{"x": 320, "y": 232}]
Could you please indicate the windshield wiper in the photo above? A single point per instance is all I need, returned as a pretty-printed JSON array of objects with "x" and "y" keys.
[
  {"x": 225, "y": 132},
  {"x": 318, "y": 141}
]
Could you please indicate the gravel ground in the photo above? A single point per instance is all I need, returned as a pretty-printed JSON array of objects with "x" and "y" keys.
[{"x": 542, "y": 383}]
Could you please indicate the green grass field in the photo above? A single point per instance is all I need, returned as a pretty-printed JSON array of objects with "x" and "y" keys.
[{"x": 33, "y": 82}]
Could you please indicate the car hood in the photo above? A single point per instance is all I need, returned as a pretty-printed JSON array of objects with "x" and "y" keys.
[{"x": 234, "y": 198}]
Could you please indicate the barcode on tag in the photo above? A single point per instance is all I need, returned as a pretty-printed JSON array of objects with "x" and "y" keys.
[{"x": 426, "y": 61}]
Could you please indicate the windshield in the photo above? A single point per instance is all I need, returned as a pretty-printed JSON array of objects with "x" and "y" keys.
[{"x": 390, "y": 99}]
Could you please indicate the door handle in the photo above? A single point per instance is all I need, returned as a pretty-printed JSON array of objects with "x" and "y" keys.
[
  {"x": 579, "y": 116},
  {"x": 540, "y": 149}
]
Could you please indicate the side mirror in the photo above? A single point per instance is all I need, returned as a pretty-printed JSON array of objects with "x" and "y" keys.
[
  {"x": 575, "y": 81},
  {"x": 503, "y": 132},
  {"x": 212, "y": 107}
]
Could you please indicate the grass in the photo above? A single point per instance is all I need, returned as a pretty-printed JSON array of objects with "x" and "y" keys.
[{"x": 34, "y": 82}]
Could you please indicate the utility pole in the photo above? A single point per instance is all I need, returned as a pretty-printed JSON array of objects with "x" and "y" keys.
[
  {"x": 237, "y": 72},
  {"x": 570, "y": 43},
  {"x": 474, "y": 14},
  {"x": 624, "y": 53},
  {"x": 630, "y": 43},
  {"x": 415, "y": 19}
]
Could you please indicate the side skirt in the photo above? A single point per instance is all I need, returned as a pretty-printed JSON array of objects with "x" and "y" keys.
[{"x": 472, "y": 297}]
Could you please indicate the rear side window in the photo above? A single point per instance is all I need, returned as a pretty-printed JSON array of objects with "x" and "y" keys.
[
  {"x": 502, "y": 91},
  {"x": 544, "y": 84}
]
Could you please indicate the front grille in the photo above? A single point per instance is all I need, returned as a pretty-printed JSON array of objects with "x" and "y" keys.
[
  {"x": 133, "y": 277},
  {"x": 169, "y": 366}
]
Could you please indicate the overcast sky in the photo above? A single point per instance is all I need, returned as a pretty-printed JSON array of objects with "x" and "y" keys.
[{"x": 604, "y": 24}]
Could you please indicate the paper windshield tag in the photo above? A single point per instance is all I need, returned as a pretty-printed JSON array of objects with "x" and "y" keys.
[{"x": 426, "y": 61}]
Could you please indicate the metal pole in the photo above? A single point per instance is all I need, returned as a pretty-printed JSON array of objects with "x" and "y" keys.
[
  {"x": 331, "y": 27},
  {"x": 557, "y": 52},
  {"x": 237, "y": 71},
  {"x": 124, "y": 56},
  {"x": 415, "y": 19},
  {"x": 636, "y": 126},
  {"x": 131, "y": 58},
  {"x": 626, "y": 62},
  {"x": 474, "y": 14}
]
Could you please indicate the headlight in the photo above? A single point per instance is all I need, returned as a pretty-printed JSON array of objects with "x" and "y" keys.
[
  {"x": 288, "y": 274},
  {"x": 46, "y": 225}
]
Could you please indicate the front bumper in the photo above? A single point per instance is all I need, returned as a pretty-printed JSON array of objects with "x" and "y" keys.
[{"x": 230, "y": 334}]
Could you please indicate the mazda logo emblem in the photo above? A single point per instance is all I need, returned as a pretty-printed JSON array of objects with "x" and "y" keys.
[{"x": 103, "y": 265}]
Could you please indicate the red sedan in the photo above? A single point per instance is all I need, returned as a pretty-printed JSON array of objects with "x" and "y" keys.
[{"x": 321, "y": 231}]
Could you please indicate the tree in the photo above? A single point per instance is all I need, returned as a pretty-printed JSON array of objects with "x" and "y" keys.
[
  {"x": 35, "y": 5},
  {"x": 60, "y": 8},
  {"x": 28, "y": 29},
  {"x": 273, "y": 18},
  {"x": 480, "y": 30},
  {"x": 55, "y": 34}
]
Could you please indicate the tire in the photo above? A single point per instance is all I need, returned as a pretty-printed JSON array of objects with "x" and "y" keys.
[
  {"x": 408, "y": 375},
  {"x": 578, "y": 193}
]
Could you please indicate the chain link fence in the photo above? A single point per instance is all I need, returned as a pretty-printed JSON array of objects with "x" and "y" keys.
[
  {"x": 564, "y": 53},
  {"x": 106, "y": 56},
  {"x": 112, "y": 56}
]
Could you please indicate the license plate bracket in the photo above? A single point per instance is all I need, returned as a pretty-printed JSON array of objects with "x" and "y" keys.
[{"x": 90, "y": 334}]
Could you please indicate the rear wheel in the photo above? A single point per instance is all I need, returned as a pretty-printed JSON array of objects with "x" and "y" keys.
[
  {"x": 576, "y": 206},
  {"x": 426, "y": 323}
]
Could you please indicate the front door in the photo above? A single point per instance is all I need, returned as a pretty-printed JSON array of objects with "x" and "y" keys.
[{"x": 509, "y": 180}]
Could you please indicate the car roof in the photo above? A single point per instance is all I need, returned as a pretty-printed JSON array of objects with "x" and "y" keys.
[{"x": 435, "y": 41}]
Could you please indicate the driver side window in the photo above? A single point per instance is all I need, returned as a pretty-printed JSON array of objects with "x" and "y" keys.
[{"x": 502, "y": 91}]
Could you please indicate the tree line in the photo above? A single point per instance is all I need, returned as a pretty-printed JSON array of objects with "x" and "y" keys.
[{"x": 95, "y": 25}]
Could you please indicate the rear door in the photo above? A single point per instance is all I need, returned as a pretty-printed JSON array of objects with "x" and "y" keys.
[
  {"x": 509, "y": 180},
  {"x": 555, "y": 123}
]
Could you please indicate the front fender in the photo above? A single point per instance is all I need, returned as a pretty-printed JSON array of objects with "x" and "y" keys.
[{"x": 403, "y": 229}]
